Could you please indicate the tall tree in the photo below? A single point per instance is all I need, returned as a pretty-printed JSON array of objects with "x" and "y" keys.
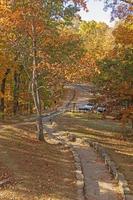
[
  {"x": 98, "y": 39},
  {"x": 115, "y": 76},
  {"x": 31, "y": 25}
]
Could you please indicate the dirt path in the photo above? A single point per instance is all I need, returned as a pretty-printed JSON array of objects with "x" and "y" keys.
[{"x": 99, "y": 184}]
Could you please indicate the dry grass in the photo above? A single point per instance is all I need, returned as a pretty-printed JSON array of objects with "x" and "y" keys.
[
  {"x": 40, "y": 171},
  {"x": 107, "y": 132}
]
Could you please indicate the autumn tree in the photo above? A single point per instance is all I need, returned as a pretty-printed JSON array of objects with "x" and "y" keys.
[
  {"x": 115, "y": 77},
  {"x": 98, "y": 39},
  {"x": 119, "y": 8},
  {"x": 32, "y": 28}
]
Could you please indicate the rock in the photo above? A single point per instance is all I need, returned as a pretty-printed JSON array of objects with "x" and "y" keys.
[
  {"x": 5, "y": 181},
  {"x": 77, "y": 159},
  {"x": 72, "y": 138},
  {"x": 80, "y": 184},
  {"x": 79, "y": 176}
]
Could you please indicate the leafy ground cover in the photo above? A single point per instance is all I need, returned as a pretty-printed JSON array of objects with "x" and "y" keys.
[
  {"x": 107, "y": 132},
  {"x": 40, "y": 171}
]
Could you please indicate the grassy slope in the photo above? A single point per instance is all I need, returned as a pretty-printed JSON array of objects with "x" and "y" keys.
[
  {"x": 106, "y": 132},
  {"x": 40, "y": 171}
]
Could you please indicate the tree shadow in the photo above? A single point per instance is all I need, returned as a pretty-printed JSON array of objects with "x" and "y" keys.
[{"x": 40, "y": 170}]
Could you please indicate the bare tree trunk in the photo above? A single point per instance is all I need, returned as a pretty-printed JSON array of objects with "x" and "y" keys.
[
  {"x": 37, "y": 103},
  {"x": 34, "y": 86},
  {"x": 132, "y": 123},
  {"x": 16, "y": 93},
  {"x": 2, "y": 100}
]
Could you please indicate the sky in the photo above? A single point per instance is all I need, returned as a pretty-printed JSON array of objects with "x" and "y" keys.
[{"x": 96, "y": 13}]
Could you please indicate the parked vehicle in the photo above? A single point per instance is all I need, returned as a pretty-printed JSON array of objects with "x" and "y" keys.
[
  {"x": 87, "y": 107},
  {"x": 101, "y": 109}
]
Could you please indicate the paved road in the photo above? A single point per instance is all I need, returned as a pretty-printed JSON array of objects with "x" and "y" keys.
[{"x": 99, "y": 184}]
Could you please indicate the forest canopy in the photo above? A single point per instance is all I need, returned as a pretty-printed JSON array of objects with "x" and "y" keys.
[{"x": 45, "y": 44}]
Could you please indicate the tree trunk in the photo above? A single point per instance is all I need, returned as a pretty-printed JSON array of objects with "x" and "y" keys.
[
  {"x": 37, "y": 103},
  {"x": 16, "y": 93},
  {"x": 2, "y": 100},
  {"x": 132, "y": 123},
  {"x": 30, "y": 108},
  {"x": 34, "y": 86}
]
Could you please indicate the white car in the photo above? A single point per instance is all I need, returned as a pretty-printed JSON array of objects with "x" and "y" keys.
[
  {"x": 87, "y": 107},
  {"x": 101, "y": 109}
]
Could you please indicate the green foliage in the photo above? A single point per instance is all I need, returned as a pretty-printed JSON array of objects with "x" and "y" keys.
[
  {"x": 115, "y": 74},
  {"x": 97, "y": 37}
]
